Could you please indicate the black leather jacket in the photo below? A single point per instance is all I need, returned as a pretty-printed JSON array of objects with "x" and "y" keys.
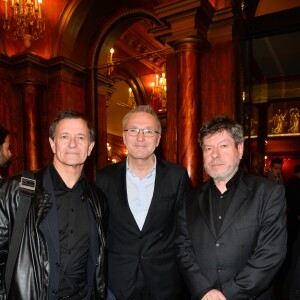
[{"x": 31, "y": 275}]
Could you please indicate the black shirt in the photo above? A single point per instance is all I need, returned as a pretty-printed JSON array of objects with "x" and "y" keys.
[
  {"x": 73, "y": 225},
  {"x": 220, "y": 202}
]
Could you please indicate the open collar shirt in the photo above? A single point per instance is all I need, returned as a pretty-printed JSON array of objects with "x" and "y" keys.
[{"x": 140, "y": 193}]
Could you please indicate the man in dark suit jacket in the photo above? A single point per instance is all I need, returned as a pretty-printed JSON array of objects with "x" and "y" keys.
[
  {"x": 143, "y": 195},
  {"x": 231, "y": 237}
]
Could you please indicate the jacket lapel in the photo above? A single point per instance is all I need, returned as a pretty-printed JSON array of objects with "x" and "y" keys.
[
  {"x": 206, "y": 208},
  {"x": 120, "y": 176},
  {"x": 161, "y": 172},
  {"x": 49, "y": 226}
]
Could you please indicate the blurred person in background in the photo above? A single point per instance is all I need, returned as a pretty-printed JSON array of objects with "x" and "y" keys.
[
  {"x": 275, "y": 171},
  {"x": 5, "y": 153}
]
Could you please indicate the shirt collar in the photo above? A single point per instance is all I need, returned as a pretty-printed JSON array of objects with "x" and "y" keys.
[
  {"x": 150, "y": 173},
  {"x": 231, "y": 182},
  {"x": 58, "y": 182}
]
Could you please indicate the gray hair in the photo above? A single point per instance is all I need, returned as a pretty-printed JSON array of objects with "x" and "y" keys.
[
  {"x": 219, "y": 124},
  {"x": 142, "y": 108},
  {"x": 70, "y": 114}
]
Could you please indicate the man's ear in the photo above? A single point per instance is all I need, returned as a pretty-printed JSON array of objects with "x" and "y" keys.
[
  {"x": 240, "y": 148},
  {"x": 91, "y": 146},
  {"x": 52, "y": 145}
]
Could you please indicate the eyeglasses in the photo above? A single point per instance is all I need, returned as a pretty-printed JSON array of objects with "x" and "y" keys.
[{"x": 146, "y": 132}]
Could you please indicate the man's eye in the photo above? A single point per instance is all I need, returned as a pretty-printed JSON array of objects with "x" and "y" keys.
[
  {"x": 133, "y": 130},
  {"x": 64, "y": 137},
  {"x": 148, "y": 131},
  {"x": 207, "y": 148}
]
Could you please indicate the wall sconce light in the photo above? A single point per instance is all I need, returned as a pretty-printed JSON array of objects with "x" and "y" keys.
[
  {"x": 131, "y": 99},
  {"x": 159, "y": 92},
  {"x": 110, "y": 63}
]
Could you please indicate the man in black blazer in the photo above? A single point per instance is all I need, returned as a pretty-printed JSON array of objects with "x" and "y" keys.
[
  {"x": 231, "y": 237},
  {"x": 143, "y": 195}
]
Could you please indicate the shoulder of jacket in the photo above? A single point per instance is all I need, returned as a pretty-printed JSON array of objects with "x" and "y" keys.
[{"x": 171, "y": 165}]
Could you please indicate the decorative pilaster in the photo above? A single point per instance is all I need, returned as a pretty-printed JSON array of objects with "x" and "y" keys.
[{"x": 31, "y": 132}]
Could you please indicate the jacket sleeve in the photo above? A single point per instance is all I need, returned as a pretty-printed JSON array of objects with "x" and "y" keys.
[
  {"x": 196, "y": 282},
  {"x": 269, "y": 252},
  {"x": 4, "y": 229}
]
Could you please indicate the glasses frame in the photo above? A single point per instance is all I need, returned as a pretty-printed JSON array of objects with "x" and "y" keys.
[{"x": 138, "y": 130}]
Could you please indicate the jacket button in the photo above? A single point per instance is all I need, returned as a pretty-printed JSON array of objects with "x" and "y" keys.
[
  {"x": 54, "y": 292},
  {"x": 217, "y": 244},
  {"x": 219, "y": 269}
]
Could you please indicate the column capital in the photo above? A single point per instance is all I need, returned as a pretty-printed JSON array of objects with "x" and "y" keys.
[
  {"x": 190, "y": 44},
  {"x": 183, "y": 19}
]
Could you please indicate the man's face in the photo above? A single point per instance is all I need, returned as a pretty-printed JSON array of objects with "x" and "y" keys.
[
  {"x": 71, "y": 145},
  {"x": 141, "y": 147},
  {"x": 5, "y": 153},
  {"x": 221, "y": 157},
  {"x": 276, "y": 169}
]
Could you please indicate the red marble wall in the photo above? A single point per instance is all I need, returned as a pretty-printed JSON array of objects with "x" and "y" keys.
[
  {"x": 11, "y": 118},
  {"x": 217, "y": 93}
]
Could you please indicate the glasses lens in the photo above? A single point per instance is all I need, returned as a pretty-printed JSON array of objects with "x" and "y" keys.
[
  {"x": 136, "y": 131},
  {"x": 133, "y": 131},
  {"x": 148, "y": 132}
]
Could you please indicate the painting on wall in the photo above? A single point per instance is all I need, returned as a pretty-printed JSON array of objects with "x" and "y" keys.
[{"x": 283, "y": 119}]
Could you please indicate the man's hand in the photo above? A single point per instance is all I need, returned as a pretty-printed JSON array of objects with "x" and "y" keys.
[{"x": 214, "y": 295}]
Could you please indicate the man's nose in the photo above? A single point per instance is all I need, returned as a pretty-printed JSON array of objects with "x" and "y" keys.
[
  {"x": 72, "y": 142},
  {"x": 215, "y": 152},
  {"x": 141, "y": 135}
]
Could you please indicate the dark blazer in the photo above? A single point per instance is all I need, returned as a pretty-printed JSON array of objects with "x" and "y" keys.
[
  {"x": 292, "y": 282},
  {"x": 243, "y": 258},
  {"x": 152, "y": 248}
]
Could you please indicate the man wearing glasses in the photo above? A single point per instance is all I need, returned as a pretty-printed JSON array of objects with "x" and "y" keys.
[{"x": 143, "y": 194}]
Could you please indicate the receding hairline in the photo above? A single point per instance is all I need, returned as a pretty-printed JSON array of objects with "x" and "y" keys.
[{"x": 128, "y": 115}]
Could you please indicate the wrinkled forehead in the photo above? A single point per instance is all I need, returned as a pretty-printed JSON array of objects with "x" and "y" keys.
[
  {"x": 142, "y": 118},
  {"x": 72, "y": 125}
]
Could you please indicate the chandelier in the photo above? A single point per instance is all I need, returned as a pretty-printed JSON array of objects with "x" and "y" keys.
[
  {"x": 159, "y": 92},
  {"x": 25, "y": 19}
]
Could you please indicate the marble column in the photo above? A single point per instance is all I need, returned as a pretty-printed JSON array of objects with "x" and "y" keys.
[
  {"x": 31, "y": 130},
  {"x": 189, "y": 155}
]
